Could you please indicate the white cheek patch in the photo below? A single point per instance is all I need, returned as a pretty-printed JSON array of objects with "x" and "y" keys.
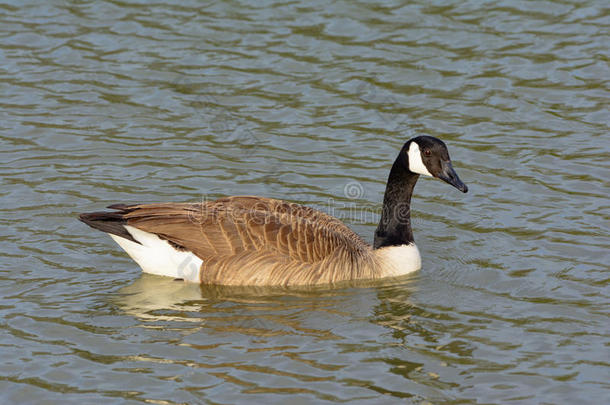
[{"x": 416, "y": 165}]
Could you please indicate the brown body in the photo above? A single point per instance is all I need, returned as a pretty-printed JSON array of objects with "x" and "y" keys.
[{"x": 247, "y": 240}]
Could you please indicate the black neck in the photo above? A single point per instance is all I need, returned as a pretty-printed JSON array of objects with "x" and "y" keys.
[{"x": 395, "y": 224}]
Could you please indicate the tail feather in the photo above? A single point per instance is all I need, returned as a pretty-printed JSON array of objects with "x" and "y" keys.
[
  {"x": 122, "y": 207},
  {"x": 109, "y": 222}
]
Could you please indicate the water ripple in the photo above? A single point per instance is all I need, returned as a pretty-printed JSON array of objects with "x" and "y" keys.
[{"x": 116, "y": 101}]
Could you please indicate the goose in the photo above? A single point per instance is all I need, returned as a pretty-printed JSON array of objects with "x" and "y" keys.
[{"x": 257, "y": 241}]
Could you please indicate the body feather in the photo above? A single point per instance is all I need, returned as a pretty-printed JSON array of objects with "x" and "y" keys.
[{"x": 246, "y": 240}]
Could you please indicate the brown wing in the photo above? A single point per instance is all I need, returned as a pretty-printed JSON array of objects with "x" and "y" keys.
[{"x": 259, "y": 228}]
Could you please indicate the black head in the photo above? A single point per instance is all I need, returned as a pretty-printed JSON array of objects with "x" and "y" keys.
[{"x": 429, "y": 156}]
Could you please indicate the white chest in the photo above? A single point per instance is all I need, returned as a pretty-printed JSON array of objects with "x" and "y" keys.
[{"x": 399, "y": 260}]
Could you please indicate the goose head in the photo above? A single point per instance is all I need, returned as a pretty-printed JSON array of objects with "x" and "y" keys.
[{"x": 429, "y": 156}]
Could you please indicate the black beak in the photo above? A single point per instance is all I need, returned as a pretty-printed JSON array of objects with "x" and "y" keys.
[{"x": 449, "y": 175}]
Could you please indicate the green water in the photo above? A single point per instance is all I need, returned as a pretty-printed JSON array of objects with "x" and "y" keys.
[{"x": 112, "y": 101}]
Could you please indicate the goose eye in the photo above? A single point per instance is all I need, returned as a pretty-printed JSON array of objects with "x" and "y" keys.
[{"x": 427, "y": 152}]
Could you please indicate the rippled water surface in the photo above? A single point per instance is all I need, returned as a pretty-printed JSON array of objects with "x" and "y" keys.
[{"x": 112, "y": 101}]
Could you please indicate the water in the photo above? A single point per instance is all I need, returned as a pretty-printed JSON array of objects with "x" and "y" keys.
[{"x": 106, "y": 102}]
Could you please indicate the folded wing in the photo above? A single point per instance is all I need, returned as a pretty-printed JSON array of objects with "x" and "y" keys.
[{"x": 253, "y": 240}]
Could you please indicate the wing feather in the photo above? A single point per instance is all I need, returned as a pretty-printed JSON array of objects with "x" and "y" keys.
[{"x": 253, "y": 239}]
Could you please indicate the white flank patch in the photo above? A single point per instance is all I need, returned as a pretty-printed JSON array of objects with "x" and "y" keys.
[
  {"x": 416, "y": 165},
  {"x": 156, "y": 256},
  {"x": 399, "y": 260}
]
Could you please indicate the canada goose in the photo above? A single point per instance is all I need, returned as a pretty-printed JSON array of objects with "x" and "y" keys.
[{"x": 247, "y": 240}]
